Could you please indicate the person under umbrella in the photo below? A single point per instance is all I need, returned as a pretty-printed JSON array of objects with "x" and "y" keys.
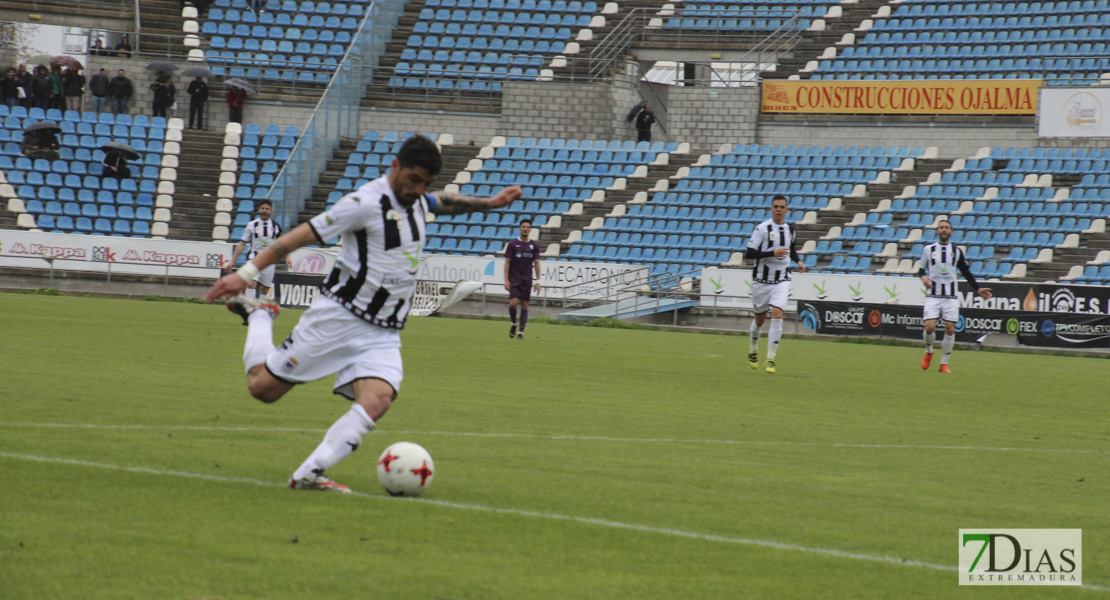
[
  {"x": 41, "y": 141},
  {"x": 115, "y": 165},
  {"x": 164, "y": 92},
  {"x": 74, "y": 83},
  {"x": 235, "y": 98}
]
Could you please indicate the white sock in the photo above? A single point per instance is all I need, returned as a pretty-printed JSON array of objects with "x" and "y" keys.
[
  {"x": 341, "y": 440},
  {"x": 946, "y": 346},
  {"x": 260, "y": 338},
  {"x": 929, "y": 339},
  {"x": 753, "y": 336},
  {"x": 773, "y": 337}
]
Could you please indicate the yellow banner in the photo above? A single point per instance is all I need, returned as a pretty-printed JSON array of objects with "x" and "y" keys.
[{"x": 906, "y": 97}]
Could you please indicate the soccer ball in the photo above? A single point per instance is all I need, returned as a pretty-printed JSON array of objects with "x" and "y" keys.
[{"x": 405, "y": 469}]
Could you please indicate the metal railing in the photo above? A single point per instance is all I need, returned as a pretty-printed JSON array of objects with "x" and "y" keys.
[{"x": 336, "y": 115}]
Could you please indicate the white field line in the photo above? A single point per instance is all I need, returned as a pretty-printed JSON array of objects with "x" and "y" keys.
[
  {"x": 528, "y": 513},
  {"x": 582, "y": 438}
]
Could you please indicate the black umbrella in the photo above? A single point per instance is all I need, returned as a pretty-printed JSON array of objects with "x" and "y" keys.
[
  {"x": 196, "y": 72},
  {"x": 636, "y": 110},
  {"x": 43, "y": 126},
  {"x": 127, "y": 151},
  {"x": 161, "y": 65},
  {"x": 239, "y": 83},
  {"x": 67, "y": 61}
]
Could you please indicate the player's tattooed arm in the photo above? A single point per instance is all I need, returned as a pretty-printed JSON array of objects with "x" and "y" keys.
[{"x": 453, "y": 203}]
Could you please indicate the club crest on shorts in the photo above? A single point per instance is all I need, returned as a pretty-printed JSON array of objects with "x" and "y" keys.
[{"x": 289, "y": 365}]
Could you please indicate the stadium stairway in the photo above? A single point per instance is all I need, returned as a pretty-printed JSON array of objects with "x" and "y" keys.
[
  {"x": 198, "y": 174},
  {"x": 160, "y": 18},
  {"x": 814, "y": 43},
  {"x": 591, "y": 211}
]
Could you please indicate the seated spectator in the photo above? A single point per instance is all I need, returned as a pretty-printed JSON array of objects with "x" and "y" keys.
[
  {"x": 115, "y": 166},
  {"x": 40, "y": 144}
]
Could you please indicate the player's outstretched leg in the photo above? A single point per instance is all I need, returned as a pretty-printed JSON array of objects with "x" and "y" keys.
[
  {"x": 243, "y": 305},
  {"x": 342, "y": 438}
]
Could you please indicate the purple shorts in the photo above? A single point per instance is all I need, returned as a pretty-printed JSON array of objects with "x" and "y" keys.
[{"x": 521, "y": 290}]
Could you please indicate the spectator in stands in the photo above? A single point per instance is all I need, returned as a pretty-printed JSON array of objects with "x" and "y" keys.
[
  {"x": 25, "y": 79},
  {"x": 115, "y": 165},
  {"x": 235, "y": 98},
  {"x": 120, "y": 90},
  {"x": 164, "y": 92},
  {"x": 198, "y": 96},
  {"x": 258, "y": 6},
  {"x": 41, "y": 143},
  {"x": 98, "y": 87},
  {"x": 97, "y": 48},
  {"x": 123, "y": 48},
  {"x": 74, "y": 83},
  {"x": 9, "y": 88},
  {"x": 58, "y": 94},
  {"x": 644, "y": 120},
  {"x": 42, "y": 88}
]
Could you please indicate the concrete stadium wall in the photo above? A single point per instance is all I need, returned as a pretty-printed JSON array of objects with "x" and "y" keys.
[
  {"x": 467, "y": 128},
  {"x": 567, "y": 110},
  {"x": 708, "y": 117}
]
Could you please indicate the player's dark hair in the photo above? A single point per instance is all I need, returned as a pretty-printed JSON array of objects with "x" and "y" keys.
[
  {"x": 419, "y": 151},
  {"x": 779, "y": 197},
  {"x": 265, "y": 202},
  {"x": 944, "y": 221},
  {"x": 528, "y": 221}
]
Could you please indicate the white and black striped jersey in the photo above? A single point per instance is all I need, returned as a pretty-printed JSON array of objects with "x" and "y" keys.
[
  {"x": 940, "y": 262},
  {"x": 258, "y": 234},
  {"x": 767, "y": 237},
  {"x": 375, "y": 273}
]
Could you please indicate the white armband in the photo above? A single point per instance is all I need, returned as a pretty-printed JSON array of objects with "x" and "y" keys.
[{"x": 247, "y": 272}]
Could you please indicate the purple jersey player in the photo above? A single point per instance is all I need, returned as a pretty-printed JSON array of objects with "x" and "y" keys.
[{"x": 522, "y": 256}]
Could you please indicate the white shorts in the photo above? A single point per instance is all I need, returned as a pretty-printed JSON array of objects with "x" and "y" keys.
[
  {"x": 329, "y": 339},
  {"x": 265, "y": 277},
  {"x": 947, "y": 309},
  {"x": 769, "y": 295}
]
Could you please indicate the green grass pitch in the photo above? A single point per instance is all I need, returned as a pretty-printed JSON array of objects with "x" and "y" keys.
[{"x": 579, "y": 463}]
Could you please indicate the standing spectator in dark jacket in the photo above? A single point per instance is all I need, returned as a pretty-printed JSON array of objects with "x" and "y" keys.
[
  {"x": 98, "y": 87},
  {"x": 235, "y": 97},
  {"x": 120, "y": 90},
  {"x": 164, "y": 92},
  {"x": 58, "y": 95},
  {"x": 42, "y": 88},
  {"x": 198, "y": 96},
  {"x": 25, "y": 79},
  {"x": 9, "y": 88},
  {"x": 74, "y": 83},
  {"x": 644, "y": 120}
]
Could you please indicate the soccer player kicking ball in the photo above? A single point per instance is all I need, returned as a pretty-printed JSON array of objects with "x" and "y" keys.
[
  {"x": 939, "y": 262},
  {"x": 772, "y": 247},
  {"x": 353, "y": 328}
]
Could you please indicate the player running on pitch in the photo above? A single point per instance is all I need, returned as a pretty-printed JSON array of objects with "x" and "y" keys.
[
  {"x": 772, "y": 247},
  {"x": 939, "y": 262}
]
